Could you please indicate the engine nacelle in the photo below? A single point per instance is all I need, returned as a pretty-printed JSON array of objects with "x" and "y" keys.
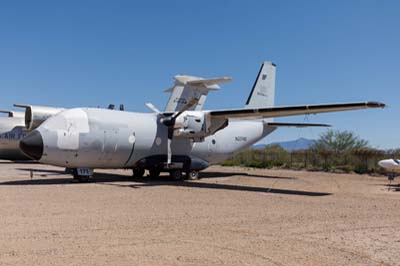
[
  {"x": 196, "y": 125},
  {"x": 36, "y": 115},
  {"x": 191, "y": 124}
]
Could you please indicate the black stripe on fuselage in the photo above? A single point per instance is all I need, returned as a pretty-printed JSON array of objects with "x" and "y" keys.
[{"x": 133, "y": 148}]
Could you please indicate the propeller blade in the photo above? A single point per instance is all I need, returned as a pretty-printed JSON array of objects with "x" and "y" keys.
[
  {"x": 153, "y": 108},
  {"x": 169, "y": 158},
  {"x": 170, "y": 123},
  {"x": 186, "y": 107},
  {"x": 169, "y": 152}
]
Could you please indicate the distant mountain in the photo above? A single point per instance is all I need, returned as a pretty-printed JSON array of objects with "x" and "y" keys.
[{"x": 298, "y": 144}]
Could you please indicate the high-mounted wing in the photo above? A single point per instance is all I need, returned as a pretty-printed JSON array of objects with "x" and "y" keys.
[
  {"x": 300, "y": 125},
  {"x": 293, "y": 110},
  {"x": 200, "y": 124}
]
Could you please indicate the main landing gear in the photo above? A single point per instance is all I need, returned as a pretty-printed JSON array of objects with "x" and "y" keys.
[
  {"x": 138, "y": 172},
  {"x": 154, "y": 173},
  {"x": 192, "y": 175},
  {"x": 189, "y": 175},
  {"x": 174, "y": 174}
]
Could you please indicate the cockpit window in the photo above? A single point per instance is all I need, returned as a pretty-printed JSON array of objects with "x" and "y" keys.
[{"x": 397, "y": 161}]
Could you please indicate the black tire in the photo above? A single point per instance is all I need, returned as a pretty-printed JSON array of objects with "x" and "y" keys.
[
  {"x": 176, "y": 174},
  {"x": 154, "y": 172},
  {"x": 192, "y": 175},
  {"x": 138, "y": 172},
  {"x": 69, "y": 171}
]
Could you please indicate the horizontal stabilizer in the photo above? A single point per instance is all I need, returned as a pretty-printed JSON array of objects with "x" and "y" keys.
[
  {"x": 209, "y": 82},
  {"x": 277, "y": 124},
  {"x": 188, "y": 87},
  {"x": 200, "y": 83}
]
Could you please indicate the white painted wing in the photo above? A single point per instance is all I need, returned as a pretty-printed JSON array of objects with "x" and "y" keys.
[
  {"x": 299, "y": 125},
  {"x": 293, "y": 110}
]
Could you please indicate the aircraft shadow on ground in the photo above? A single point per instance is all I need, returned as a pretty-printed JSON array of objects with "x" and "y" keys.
[
  {"x": 229, "y": 174},
  {"x": 108, "y": 179},
  {"x": 14, "y": 162},
  {"x": 393, "y": 187},
  {"x": 46, "y": 171},
  {"x": 224, "y": 187}
]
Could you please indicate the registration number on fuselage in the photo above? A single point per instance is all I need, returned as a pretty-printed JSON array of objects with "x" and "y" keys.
[{"x": 84, "y": 171}]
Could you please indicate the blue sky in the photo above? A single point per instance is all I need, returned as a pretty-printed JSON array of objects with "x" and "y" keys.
[{"x": 90, "y": 53}]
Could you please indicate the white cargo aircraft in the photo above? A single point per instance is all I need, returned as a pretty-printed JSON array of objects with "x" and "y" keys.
[{"x": 183, "y": 138}]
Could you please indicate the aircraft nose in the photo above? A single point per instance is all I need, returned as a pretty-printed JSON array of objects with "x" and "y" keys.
[{"x": 32, "y": 145}]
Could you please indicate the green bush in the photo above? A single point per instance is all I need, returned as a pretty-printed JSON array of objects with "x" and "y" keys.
[
  {"x": 346, "y": 168},
  {"x": 335, "y": 151}
]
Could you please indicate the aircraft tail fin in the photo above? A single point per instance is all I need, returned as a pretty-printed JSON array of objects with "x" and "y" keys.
[
  {"x": 187, "y": 88},
  {"x": 262, "y": 94}
]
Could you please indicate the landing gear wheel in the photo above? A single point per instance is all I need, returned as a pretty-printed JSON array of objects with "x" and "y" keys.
[
  {"x": 154, "y": 172},
  {"x": 176, "y": 174},
  {"x": 192, "y": 175},
  {"x": 138, "y": 172},
  {"x": 69, "y": 171}
]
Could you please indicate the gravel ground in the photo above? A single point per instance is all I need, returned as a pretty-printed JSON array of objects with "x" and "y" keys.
[{"x": 232, "y": 216}]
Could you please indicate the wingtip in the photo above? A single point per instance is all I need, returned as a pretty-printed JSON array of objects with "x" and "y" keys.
[{"x": 375, "y": 105}]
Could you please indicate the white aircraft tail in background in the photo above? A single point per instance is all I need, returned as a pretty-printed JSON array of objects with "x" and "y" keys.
[{"x": 189, "y": 87}]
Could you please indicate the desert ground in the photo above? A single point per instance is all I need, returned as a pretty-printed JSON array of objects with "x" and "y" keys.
[{"x": 232, "y": 216}]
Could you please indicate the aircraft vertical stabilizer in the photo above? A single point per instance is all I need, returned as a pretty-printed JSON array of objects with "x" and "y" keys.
[{"x": 262, "y": 94}]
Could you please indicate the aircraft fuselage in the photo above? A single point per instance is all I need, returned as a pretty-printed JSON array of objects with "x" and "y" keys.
[{"x": 98, "y": 138}]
